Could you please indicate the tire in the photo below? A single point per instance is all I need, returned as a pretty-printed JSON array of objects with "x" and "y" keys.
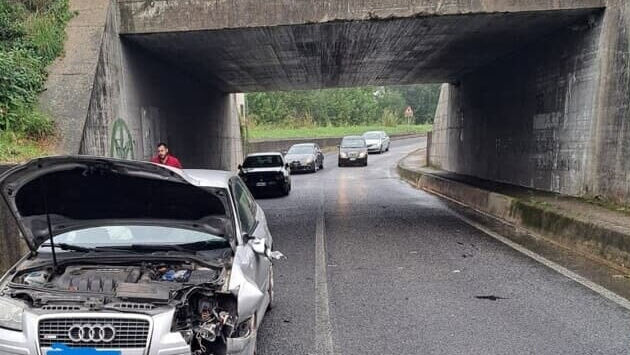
[
  {"x": 286, "y": 189},
  {"x": 321, "y": 165}
]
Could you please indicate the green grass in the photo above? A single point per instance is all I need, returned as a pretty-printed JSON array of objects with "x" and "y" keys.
[
  {"x": 17, "y": 147},
  {"x": 271, "y": 132},
  {"x": 32, "y": 33}
]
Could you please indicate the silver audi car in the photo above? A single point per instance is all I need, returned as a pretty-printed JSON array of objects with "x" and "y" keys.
[{"x": 130, "y": 258}]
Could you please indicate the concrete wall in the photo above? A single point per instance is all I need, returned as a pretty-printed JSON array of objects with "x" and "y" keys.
[
  {"x": 610, "y": 158},
  {"x": 140, "y": 16},
  {"x": 534, "y": 118},
  {"x": 125, "y": 101}
]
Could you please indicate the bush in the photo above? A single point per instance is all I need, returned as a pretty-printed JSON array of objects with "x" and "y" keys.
[
  {"x": 31, "y": 37},
  {"x": 389, "y": 118}
]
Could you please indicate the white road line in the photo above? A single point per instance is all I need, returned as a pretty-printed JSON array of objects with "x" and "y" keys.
[
  {"x": 323, "y": 327},
  {"x": 621, "y": 301}
]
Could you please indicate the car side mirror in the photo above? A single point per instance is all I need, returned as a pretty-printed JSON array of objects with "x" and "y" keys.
[
  {"x": 260, "y": 247},
  {"x": 286, "y": 165},
  {"x": 284, "y": 152},
  {"x": 240, "y": 167}
]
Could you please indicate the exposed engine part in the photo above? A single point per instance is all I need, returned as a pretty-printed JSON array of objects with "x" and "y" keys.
[
  {"x": 146, "y": 292},
  {"x": 37, "y": 278},
  {"x": 202, "y": 276},
  {"x": 176, "y": 275},
  {"x": 97, "y": 279},
  {"x": 208, "y": 331}
]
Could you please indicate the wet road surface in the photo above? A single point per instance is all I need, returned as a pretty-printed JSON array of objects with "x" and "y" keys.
[{"x": 377, "y": 267}]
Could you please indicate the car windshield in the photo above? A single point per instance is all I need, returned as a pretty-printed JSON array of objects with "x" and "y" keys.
[
  {"x": 112, "y": 236},
  {"x": 301, "y": 149},
  {"x": 263, "y": 161},
  {"x": 353, "y": 143},
  {"x": 372, "y": 135}
]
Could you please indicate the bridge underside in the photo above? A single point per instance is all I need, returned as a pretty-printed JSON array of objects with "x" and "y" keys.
[
  {"x": 358, "y": 53},
  {"x": 538, "y": 92}
]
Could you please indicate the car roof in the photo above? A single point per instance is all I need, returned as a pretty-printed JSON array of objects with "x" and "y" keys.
[
  {"x": 304, "y": 145},
  {"x": 353, "y": 137},
  {"x": 263, "y": 154},
  {"x": 368, "y": 132},
  {"x": 210, "y": 178}
]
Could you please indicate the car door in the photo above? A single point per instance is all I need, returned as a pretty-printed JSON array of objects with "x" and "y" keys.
[
  {"x": 250, "y": 270},
  {"x": 385, "y": 141}
]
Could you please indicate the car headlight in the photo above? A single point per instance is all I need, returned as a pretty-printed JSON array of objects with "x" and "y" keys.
[
  {"x": 309, "y": 160},
  {"x": 11, "y": 314},
  {"x": 362, "y": 155},
  {"x": 343, "y": 155}
]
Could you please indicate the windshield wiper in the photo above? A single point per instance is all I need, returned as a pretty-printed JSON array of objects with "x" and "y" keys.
[
  {"x": 72, "y": 247},
  {"x": 187, "y": 247}
]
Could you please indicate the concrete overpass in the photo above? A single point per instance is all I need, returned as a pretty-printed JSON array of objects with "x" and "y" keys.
[{"x": 537, "y": 92}]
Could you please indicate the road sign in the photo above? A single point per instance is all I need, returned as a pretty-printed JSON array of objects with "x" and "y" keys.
[{"x": 408, "y": 112}]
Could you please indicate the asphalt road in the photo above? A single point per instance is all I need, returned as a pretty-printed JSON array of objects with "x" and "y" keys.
[{"x": 377, "y": 267}]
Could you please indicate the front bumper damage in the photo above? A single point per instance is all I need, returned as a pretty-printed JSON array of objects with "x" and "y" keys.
[{"x": 161, "y": 340}]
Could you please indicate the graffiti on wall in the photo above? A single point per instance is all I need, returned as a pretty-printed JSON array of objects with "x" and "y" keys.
[{"x": 121, "y": 141}]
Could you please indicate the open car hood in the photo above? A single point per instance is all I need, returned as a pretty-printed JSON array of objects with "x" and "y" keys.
[{"x": 82, "y": 191}]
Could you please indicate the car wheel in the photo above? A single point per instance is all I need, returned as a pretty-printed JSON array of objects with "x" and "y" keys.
[{"x": 270, "y": 291}]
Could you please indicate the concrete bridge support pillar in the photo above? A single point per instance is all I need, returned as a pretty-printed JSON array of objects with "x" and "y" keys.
[
  {"x": 136, "y": 100},
  {"x": 551, "y": 116}
]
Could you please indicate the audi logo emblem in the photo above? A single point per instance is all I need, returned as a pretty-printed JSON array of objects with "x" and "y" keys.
[{"x": 92, "y": 333}]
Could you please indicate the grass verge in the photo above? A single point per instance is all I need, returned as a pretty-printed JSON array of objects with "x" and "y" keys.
[{"x": 272, "y": 132}]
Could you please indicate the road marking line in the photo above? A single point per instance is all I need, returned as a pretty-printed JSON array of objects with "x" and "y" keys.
[
  {"x": 323, "y": 328},
  {"x": 621, "y": 301}
]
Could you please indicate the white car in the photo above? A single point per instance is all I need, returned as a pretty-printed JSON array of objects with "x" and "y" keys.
[
  {"x": 377, "y": 141},
  {"x": 131, "y": 258}
]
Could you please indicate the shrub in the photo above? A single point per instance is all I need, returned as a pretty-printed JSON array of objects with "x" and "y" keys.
[
  {"x": 31, "y": 37},
  {"x": 389, "y": 118}
]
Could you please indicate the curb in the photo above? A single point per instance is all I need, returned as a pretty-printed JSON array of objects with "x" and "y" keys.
[{"x": 585, "y": 237}]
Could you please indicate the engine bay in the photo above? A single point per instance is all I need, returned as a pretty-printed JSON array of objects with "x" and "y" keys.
[{"x": 205, "y": 314}]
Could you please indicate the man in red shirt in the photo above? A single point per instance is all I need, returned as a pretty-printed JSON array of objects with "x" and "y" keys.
[{"x": 163, "y": 157}]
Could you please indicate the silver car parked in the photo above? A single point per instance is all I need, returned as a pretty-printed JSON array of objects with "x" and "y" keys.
[
  {"x": 377, "y": 141},
  {"x": 131, "y": 258}
]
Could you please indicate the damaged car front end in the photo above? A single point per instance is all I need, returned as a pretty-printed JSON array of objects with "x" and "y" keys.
[{"x": 133, "y": 258}]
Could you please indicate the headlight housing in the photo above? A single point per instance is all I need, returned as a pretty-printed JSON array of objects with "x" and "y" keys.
[
  {"x": 343, "y": 155},
  {"x": 362, "y": 155},
  {"x": 11, "y": 314},
  {"x": 309, "y": 160}
]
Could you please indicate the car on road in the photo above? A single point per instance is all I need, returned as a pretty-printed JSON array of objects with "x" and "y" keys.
[
  {"x": 353, "y": 151},
  {"x": 266, "y": 172},
  {"x": 377, "y": 141},
  {"x": 130, "y": 257},
  {"x": 305, "y": 157}
]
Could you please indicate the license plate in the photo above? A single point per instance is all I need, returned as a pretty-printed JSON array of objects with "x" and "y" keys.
[
  {"x": 260, "y": 184},
  {"x": 352, "y": 159},
  {"x": 62, "y": 349}
]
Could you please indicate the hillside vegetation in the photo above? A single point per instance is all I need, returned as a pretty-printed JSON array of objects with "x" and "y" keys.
[
  {"x": 32, "y": 33},
  {"x": 343, "y": 107}
]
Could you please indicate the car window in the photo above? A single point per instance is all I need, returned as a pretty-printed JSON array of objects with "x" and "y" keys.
[
  {"x": 353, "y": 143},
  {"x": 304, "y": 149},
  {"x": 245, "y": 205},
  {"x": 133, "y": 234},
  {"x": 263, "y": 161}
]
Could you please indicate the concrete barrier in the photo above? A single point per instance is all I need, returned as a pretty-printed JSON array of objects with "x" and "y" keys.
[
  {"x": 581, "y": 233},
  {"x": 324, "y": 143}
]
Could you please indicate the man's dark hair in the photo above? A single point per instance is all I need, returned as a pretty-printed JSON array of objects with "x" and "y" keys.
[{"x": 162, "y": 144}]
